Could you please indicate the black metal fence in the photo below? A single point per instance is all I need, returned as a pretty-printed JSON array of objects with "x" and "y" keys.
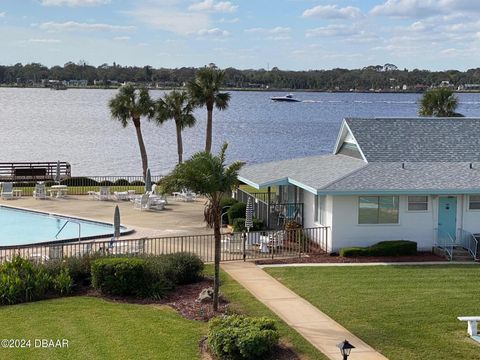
[
  {"x": 273, "y": 214},
  {"x": 234, "y": 246},
  {"x": 81, "y": 185}
]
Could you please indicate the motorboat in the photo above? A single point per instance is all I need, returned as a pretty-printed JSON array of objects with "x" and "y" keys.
[{"x": 286, "y": 98}]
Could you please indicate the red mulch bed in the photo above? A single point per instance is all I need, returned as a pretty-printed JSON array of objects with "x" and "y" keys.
[
  {"x": 326, "y": 258},
  {"x": 183, "y": 299}
]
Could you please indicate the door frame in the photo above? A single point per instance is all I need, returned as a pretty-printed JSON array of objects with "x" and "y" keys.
[{"x": 457, "y": 206}]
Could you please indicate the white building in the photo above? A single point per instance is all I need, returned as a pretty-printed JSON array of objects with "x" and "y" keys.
[{"x": 387, "y": 179}]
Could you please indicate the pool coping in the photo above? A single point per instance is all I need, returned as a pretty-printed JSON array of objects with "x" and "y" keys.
[{"x": 126, "y": 231}]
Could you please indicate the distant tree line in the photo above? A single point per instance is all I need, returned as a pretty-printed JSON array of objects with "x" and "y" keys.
[{"x": 375, "y": 77}]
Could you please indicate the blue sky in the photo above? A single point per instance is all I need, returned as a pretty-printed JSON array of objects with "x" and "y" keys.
[{"x": 289, "y": 34}]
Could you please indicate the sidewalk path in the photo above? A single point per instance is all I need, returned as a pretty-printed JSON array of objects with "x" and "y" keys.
[{"x": 319, "y": 329}]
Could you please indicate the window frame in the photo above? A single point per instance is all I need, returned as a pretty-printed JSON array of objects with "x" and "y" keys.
[
  {"x": 470, "y": 202},
  {"x": 319, "y": 209},
  {"x": 394, "y": 197},
  {"x": 418, "y": 202}
]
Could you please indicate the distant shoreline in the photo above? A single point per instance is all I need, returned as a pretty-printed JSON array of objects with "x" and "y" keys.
[{"x": 240, "y": 89}]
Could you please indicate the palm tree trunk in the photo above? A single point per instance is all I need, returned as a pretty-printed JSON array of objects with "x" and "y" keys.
[
  {"x": 208, "y": 142},
  {"x": 141, "y": 145},
  {"x": 216, "y": 279},
  {"x": 179, "y": 144}
]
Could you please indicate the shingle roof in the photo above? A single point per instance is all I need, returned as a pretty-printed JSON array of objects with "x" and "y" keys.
[
  {"x": 417, "y": 139},
  {"x": 314, "y": 172},
  {"x": 416, "y": 176}
]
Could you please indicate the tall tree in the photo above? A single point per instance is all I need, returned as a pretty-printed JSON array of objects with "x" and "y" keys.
[
  {"x": 131, "y": 104},
  {"x": 176, "y": 105},
  {"x": 208, "y": 175},
  {"x": 205, "y": 91},
  {"x": 439, "y": 102}
]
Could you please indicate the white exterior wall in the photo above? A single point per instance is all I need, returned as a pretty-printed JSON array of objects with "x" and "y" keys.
[{"x": 309, "y": 214}]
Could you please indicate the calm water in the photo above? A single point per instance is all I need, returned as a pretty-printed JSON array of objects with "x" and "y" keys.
[
  {"x": 75, "y": 126},
  {"x": 21, "y": 227}
]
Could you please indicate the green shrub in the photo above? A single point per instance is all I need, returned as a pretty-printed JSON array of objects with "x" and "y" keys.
[
  {"x": 106, "y": 183},
  {"x": 137, "y": 183},
  {"x": 239, "y": 224},
  {"x": 79, "y": 268},
  {"x": 122, "y": 182},
  {"x": 239, "y": 337},
  {"x": 236, "y": 211},
  {"x": 79, "y": 181},
  {"x": 227, "y": 201},
  {"x": 383, "y": 248},
  {"x": 184, "y": 268},
  {"x": 62, "y": 282},
  {"x": 120, "y": 276},
  {"x": 23, "y": 281}
]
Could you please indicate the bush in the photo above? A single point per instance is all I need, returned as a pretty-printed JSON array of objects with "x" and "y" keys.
[
  {"x": 137, "y": 183},
  {"x": 383, "y": 248},
  {"x": 22, "y": 281},
  {"x": 79, "y": 181},
  {"x": 62, "y": 282},
  {"x": 122, "y": 182},
  {"x": 120, "y": 276},
  {"x": 106, "y": 183},
  {"x": 227, "y": 201},
  {"x": 239, "y": 224},
  {"x": 236, "y": 211},
  {"x": 240, "y": 337},
  {"x": 184, "y": 268},
  {"x": 79, "y": 268}
]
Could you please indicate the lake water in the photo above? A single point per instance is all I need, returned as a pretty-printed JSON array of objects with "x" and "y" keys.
[{"x": 75, "y": 126}]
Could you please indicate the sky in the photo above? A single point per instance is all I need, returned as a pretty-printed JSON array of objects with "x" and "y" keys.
[{"x": 246, "y": 34}]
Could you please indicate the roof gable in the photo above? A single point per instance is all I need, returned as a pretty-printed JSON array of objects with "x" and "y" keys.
[{"x": 416, "y": 139}]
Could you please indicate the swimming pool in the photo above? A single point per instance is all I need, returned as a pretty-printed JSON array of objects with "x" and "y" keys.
[{"x": 24, "y": 227}]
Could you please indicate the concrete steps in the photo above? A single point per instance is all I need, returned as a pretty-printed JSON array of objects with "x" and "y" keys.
[{"x": 460, "y": 254}]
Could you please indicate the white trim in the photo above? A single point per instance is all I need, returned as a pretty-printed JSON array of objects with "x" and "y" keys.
[
  {"x": 418, "y": 211},
  {"x": 468, "y": 203},
  {"x": 378, "y": 224},
  {"x": 353, "y": 137}
]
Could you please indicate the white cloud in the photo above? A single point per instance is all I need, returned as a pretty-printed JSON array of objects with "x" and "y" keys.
[
  {"x": 276, "y": 33},
  {"x": 333, "y": 12},
  {"x": 45, "y": 41},
  {"x": 424, "y": 8},
  {"x": 229, "y": 21},
  {"x": 171, "y": 20},
  {"x": 2, "y": 14},
  {"x": 76, "y": 26},
  {"x": 212, "y": 6},
  {"x": 121, "y": 38},
  {"x": 74, "y": 3},
  {"x": 215, "y": 32},
  {"x": 332, "y": 30}
]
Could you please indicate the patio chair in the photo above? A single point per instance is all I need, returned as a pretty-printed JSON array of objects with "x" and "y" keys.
[
  {"x": 121, "y": 195},
  {"x": 140, "y": 203},
  {"x": 7, "y": 191},
  {"x": 40, "y": 192},
  {"x": 103, "y": 194}
]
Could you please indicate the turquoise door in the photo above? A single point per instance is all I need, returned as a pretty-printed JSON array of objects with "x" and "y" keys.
[{"x": 447, "y": 216}]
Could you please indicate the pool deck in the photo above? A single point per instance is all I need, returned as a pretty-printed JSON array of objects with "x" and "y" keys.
[{"x": 178, "y": 218}]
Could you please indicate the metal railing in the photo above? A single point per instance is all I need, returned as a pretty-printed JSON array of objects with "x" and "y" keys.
[
  {"x": 446, "y": 243},
  {"x": 234, "y": 246},
  {"x": 81, "y": 185},
  {"x": 274, "y": 215},
  {"x": 469, "y": 242},
  {"x": 29, "y": 171}
]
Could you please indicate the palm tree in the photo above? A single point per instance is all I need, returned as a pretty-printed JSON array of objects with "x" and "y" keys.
[
  {"x": 205, "y": 91},
  {"x": 177, "y": 106},
  {"x": 130, "y": 104},
  {"x": 208, "y": 175},
  {"x": 439, "y": 102}
]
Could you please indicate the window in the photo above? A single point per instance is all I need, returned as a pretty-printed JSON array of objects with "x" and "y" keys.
[
  {"x": 320, "y": 209},
  {"x": 418, "y": 203},
  {"x": 378, "y": 210},
  {"x": 474, "y": 202}
]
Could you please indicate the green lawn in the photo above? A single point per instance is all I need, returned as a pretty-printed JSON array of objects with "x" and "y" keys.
[
  {"x": 100, "y": 329},
  {"x": 406, "y": 312}
]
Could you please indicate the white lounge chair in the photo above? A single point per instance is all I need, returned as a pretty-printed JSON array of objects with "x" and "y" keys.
[
  {"x": 7, "y": 191},
  {"x": 149, "y": 202},
  {"x": 40, "y": 192},
  {"x": 103, "y": 194},
  {"x": 121, "y": 195}
]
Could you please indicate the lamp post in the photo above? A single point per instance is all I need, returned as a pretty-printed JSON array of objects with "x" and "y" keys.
[{"x": 345, "y": 348}]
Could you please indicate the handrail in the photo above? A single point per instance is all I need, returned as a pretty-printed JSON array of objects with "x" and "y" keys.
[
  {"x": 447, "y": 247},
  {"x": 470, "y": 243},
  {"x": 74, "y": 222}
]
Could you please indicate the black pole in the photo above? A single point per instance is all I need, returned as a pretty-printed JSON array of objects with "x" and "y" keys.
[{"x": 244, "y": 235}]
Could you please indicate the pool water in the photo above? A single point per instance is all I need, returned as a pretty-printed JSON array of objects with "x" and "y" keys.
[{"x": 22, "y": 227}]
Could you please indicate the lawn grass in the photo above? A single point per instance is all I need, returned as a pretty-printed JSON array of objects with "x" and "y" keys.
[
  {"x": 100, "y": 329},
  {"x": 405, "y": 312},
  {"x": 243, "y": 302}
]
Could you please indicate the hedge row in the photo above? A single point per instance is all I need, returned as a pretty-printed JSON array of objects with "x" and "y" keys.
[
  {"x": 384, "y": 248},
  {"x": 149, "y": 277}
]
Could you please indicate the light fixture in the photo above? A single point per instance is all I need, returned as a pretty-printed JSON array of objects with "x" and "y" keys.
[{"x": 345, "y": 348}]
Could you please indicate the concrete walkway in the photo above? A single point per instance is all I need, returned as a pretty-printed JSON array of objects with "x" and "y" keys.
[{"x": 319, "y": 329}]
